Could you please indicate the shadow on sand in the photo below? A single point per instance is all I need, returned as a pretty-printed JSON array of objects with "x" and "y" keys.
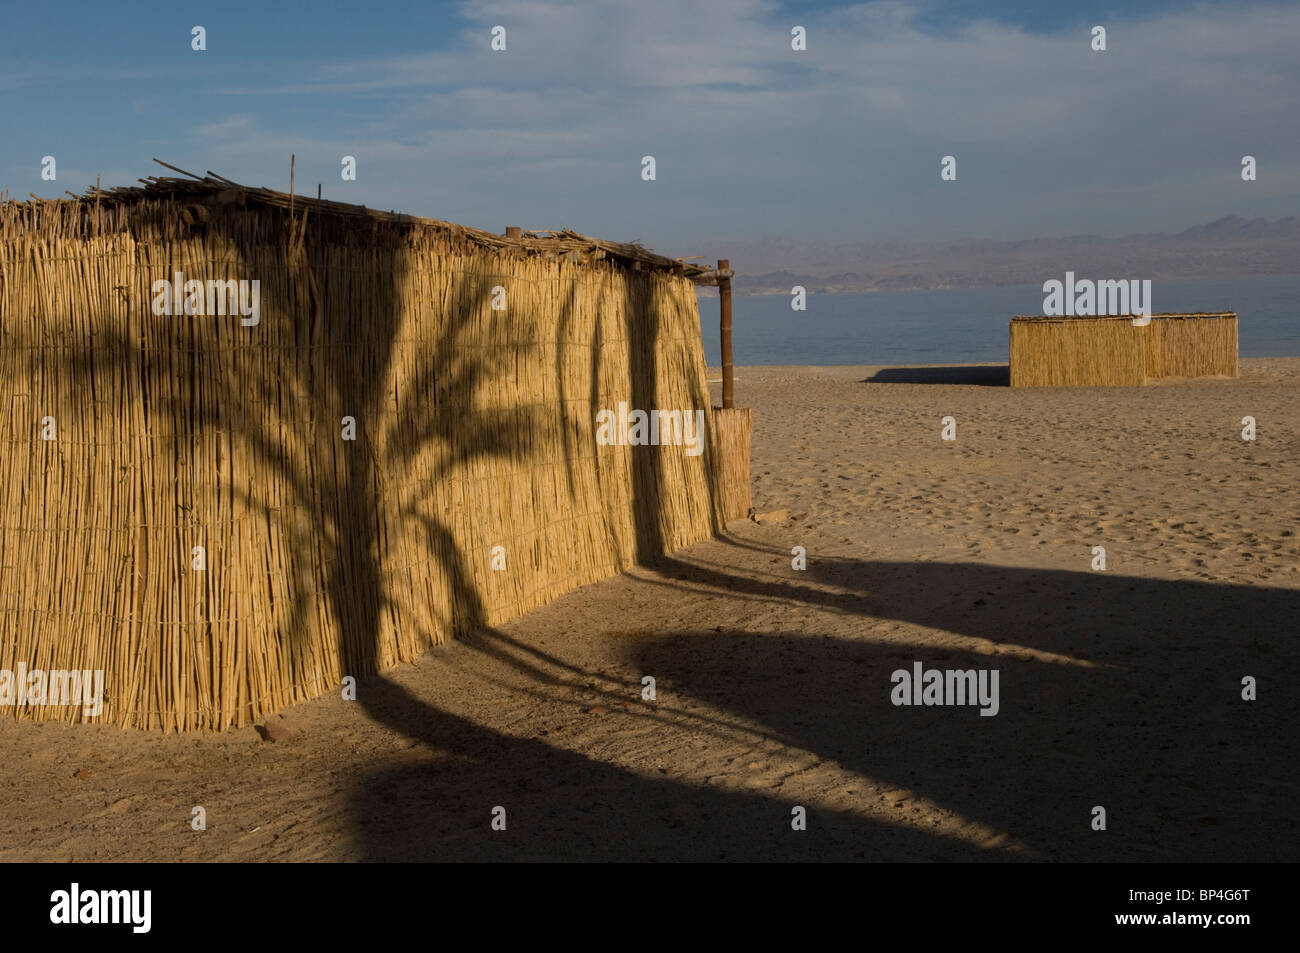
[
  {"x": 987, "y": 375},
  {"x": 1114, "y": 691}
]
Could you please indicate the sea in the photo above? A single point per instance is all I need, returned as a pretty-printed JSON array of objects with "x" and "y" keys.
[{"x": 969, "y": 325}]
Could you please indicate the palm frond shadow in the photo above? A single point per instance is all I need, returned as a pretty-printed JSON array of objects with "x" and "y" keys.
[{"x": 1103, "y": 701}]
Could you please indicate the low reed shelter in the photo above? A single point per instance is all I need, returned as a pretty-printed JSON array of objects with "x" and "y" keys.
[
  {"x": 255, "y": 443},
  {"x": 1112, "y": 351}
]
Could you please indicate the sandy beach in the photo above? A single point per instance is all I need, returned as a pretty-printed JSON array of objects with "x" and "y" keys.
[{"x": 1119, "y": 688}]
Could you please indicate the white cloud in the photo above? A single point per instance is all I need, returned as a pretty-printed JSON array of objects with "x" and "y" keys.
[{"x": 845, "y": 137}]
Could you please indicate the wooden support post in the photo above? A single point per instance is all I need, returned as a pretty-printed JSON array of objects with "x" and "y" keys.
[
  {"x": 734, "y": 425},
  {"x": 512, "y": 231},
  {"x": 724, "y": 295}
]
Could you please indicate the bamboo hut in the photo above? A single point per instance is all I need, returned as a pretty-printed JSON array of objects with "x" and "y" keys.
[
  {"x": 1113, "y": 352},
  {"x": 226, "y": 515}
]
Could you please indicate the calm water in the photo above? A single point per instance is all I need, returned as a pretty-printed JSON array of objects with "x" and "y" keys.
[{"x": 970, "y": 325}]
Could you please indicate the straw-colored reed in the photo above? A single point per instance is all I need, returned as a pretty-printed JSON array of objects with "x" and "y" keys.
[
  {"x": 325, "y": 558},
  {"x": 734, "y": 427},
  {"x": 1112, "y": 351},
  {"x": 1191, "y": 345}
]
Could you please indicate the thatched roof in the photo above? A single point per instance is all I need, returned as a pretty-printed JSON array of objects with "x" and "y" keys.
[{"x": 213, "y": 189}]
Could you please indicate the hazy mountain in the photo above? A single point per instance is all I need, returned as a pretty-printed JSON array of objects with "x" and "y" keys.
[{"x": 1228, "y": 247}]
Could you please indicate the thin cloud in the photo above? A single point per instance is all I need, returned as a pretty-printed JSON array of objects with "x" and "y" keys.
[{"x": 753, "y": 138}]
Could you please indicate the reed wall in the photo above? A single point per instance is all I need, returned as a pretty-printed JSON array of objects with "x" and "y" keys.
[
  {"x": 1111, "y": 351},
  {"x": 324, "y": 557}
]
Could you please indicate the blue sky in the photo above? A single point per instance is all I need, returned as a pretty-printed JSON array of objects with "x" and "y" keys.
[{"x": 751, "y": 139}]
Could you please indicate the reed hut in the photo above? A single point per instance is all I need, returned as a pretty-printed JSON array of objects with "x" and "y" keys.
[
  {"x": 1113, "y": 352},
  {"x": 227, "y": 512}
]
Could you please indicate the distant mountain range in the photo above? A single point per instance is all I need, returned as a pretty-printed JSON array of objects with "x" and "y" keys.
[{"x": 1229, "y": 247}]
